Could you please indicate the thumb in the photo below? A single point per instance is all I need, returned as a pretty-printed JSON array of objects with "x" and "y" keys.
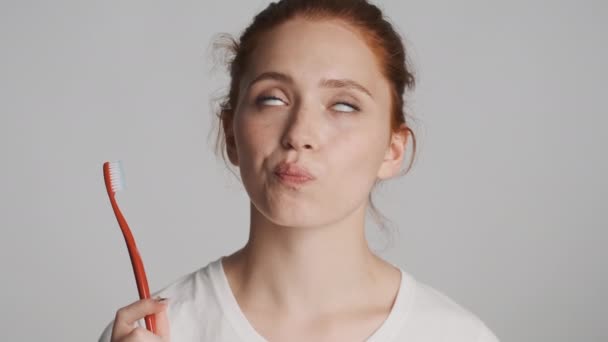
[{"x": 162, "y": 323}]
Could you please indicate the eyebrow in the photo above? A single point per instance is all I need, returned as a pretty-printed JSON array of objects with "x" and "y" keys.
[{"x": 325, "y": 83}]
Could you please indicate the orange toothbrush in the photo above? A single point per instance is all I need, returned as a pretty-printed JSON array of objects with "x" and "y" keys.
[{"x": 114, "y": 179}]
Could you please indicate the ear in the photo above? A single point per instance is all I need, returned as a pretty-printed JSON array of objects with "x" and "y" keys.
[
  {"x": 230, "y": 141},
  {"x": 395, "y": 152}
]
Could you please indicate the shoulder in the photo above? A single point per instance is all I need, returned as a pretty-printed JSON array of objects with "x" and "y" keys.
[
  {"x": 434, "y": 316},
  {"x": 187, "y": 295},
  {"x": 194, "y": 287}
]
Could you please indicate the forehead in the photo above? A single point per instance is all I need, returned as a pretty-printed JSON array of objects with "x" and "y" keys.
[{"x": 310, "y": 50}]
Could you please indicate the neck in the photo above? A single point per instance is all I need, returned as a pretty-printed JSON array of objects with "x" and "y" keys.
[{"x": 305, "y": 270}]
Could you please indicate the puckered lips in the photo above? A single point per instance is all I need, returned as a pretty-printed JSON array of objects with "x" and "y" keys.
[{"x": 293, "y": 173}]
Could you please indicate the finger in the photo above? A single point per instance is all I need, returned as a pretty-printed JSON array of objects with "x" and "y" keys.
[
  {"x": 162, "y": 324},
  {"x": 140, "y": 334},
  {"x": 126, "y": 317}
]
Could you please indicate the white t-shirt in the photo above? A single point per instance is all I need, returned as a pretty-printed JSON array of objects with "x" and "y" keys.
[{"x": 202, "y": 307}]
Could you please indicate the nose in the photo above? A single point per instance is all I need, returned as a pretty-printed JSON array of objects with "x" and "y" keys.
[{"x": 302, "y": 130}]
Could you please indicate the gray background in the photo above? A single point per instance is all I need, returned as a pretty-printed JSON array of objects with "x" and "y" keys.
[{"x": 504, "y": 211}]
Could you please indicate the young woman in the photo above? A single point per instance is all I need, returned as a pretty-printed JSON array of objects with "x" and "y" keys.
[{"x": 313, "y": 120}]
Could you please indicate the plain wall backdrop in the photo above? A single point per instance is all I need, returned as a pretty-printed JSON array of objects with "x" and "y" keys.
[{"x": 505, "y": 210}]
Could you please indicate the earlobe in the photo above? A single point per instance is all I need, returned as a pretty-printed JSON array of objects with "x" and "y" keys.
[
  {"x": 230, "y": 142},
  {"x": 233, "y": 156}
]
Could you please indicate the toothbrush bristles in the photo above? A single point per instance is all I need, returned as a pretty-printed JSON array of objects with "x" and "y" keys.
[{"x": 117, "y": 176}]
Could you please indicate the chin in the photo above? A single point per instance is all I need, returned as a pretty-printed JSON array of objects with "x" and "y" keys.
[
  {"x": 296, "y": 215},
  {"x": 293, "y": 216}
]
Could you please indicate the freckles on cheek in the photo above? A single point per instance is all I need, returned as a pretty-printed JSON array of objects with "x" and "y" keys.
[
  {"x": 349, "y": 180},
  {"x": 260, "y": 133},
  {"x": 348, "y": 155},
  {"x": 256, "y": 141},
  {"x": 362, "y": 157}
]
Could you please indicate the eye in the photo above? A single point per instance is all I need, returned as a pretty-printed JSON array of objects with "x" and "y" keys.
[
  {"x": 275, "y": 101},
  {"x": 346, "y": 107}
]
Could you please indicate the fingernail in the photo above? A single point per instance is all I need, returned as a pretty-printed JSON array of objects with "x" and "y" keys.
[{"x": 161, "y": 299}]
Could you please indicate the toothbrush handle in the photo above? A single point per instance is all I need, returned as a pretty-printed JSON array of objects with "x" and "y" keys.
[
  {"x": 142, "y": 284},
  {"x": 136, "y": 262}
]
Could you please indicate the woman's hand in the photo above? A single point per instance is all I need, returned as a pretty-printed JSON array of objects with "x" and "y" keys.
[{"x": 125, "y": 328}]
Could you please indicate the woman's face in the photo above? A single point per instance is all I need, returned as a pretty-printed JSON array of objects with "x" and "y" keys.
[{"x": 313, "y": 95}]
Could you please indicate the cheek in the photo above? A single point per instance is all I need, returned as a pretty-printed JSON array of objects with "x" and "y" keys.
[
  {"x": 251, "y": 136},
  {"x": 255, "y": 141},
  {"x": 355, "y": 158},
  {"x": 359, "y": 149}
]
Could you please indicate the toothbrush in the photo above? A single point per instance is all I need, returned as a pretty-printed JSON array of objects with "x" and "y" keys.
[{"x": 113, "y": 175}]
